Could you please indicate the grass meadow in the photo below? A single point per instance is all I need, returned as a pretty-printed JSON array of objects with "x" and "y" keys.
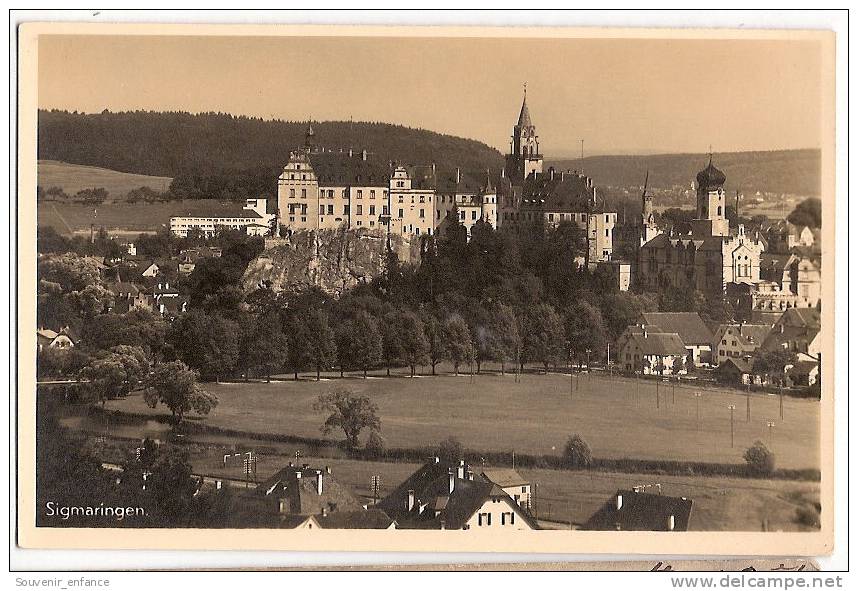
[{"x": 535, "y": 414}]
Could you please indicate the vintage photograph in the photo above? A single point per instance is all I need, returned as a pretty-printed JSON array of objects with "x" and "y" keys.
[{"x": 340, "y": 279}]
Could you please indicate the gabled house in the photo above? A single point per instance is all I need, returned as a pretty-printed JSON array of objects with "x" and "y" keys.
[
  {"x": 736, "y": 371},
  {"x": 512, "y": 483},
  {"x": 639, "y": 350},
  {"x": 635, "y": 510},
  {"x": 295, "y": 493},
  {"x": 738, "y": 341},
  {"x": 443, "y": 495},
  {"x": 797, "y": 330},
  {"x": 690, "y": 328},
  {"x": 50, "y": 339}
]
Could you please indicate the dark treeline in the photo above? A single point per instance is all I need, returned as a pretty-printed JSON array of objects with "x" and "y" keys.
[
  {"x": 217, "y": 155},
  {"x": 776, "y": 171}
]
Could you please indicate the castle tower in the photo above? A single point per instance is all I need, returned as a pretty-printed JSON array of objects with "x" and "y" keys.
[
  {"x": 310, "y": 138},
  {"x": 711, "y": 217},
  {"x": 649, "y": 230},
  {"x": 524, "y": 156}
]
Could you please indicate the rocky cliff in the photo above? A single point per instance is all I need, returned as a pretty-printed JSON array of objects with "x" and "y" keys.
[{"x": 332, "y": 260}]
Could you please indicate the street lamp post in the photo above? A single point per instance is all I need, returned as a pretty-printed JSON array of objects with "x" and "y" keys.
[
  {"x": 732, "y": 407},
  {"x": 698, "y": 396}
]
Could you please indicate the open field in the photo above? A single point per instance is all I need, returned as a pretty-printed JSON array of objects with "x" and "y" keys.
[
  {"x": 72, "y": 178},
  {"x": 720, "y": 504},
  {"x": 619, "y": 418},
  {"x": 119, "y": 218}
]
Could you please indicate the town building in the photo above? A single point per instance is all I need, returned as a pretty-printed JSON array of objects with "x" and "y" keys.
[
  {"x": 783, "y": 237},
  {"x": 445, "y": 495},
  {"x": 512, "y": 483},
  {"x": 326, "y": 189},
  {"x": 253, "y": 218},
  {"x": 738, "y": 341},
  {"x": 51, "y": 339},
  {"x": 619, "y": 272},
  {"x": 711, "y": 256},
  {"x": 293, "y": 494},
  {"x": 691, "y": 329},
  {"x": 798, "y": 330},
  {"x": 640, "y": 350},
  {"x": 637, "y": 510},
  {"x": 412, "y": 201}
]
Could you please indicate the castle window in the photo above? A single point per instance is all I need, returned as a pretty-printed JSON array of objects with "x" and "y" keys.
[{"x": 303, "y": 193}]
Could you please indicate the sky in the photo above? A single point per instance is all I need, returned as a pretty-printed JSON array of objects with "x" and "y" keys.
[{"x": 619, "y": 95}]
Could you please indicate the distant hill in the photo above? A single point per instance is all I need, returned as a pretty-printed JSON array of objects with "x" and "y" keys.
[
  {"x": 783, "y": 171},
  {"x": 72, "y": 178},
  {"x": 173, "y": 143}
]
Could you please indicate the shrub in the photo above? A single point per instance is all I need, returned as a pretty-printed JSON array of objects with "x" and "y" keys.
[
  {"x": 808, "y": 516},
  {"x": 451, "y": 450},
  {"x": 375, "y": 446},
  {"x": 577, "y": 453},
  {"x": 760, "y": 458}
]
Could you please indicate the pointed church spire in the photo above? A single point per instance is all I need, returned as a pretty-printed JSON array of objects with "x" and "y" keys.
[{"x": 524, "y": 114}]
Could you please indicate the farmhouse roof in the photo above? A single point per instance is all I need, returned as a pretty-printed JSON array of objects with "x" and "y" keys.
[
  {"x": 300, "y": 487},
  {"x": 641, "y": 511},
  {"x": 659, "y": 343},
  {"x": 363, "y": 519},
  {"x": 504, "y": 477},
  {"x": 735, "y": 363},
  {"x": 217, "y": 210},
  {"x": 687, "y": 325}
]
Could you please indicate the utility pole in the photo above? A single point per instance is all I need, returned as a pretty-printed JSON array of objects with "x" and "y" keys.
[
  {"x": 748, "y": 402},
  {"x": 698, "y": 396},
  {"x": 732, "y": 407}
]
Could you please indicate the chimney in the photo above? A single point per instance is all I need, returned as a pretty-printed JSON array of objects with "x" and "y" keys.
[
  {"x": 452, "y": 481},
  {"x": 619, "y": 501},
  {"x": 458, "y": 175},
  {"x": 319, "y": 482},
  {"x": 324, "y": 511},
  {"x": 551, "y": 172},
  {"x": 671, "y": 522},
  {"x": 781, "y": 328},
  {"x": 437, "y": 459},
  {"x": 218, "y": 484},
  {"x": 363, "y": 155},
  {"x": 644, "y": 331},
  {"x": 410, "y": 500},
  {"x": 470, "y": 474},
  {"x": 351, "y": 153},
  {"x": 460, "y": 473},
  {"x": 433, "y": 168},
  {"x": 166, "y": 286}
]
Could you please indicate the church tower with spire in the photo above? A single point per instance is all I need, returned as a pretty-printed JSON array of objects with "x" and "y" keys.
[
  {"x": 649, "y": 229},
  {"x": 524, "y": 157}
]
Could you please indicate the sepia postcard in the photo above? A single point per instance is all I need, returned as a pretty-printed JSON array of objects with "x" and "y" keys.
[{"x": 439, "y": 289}]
